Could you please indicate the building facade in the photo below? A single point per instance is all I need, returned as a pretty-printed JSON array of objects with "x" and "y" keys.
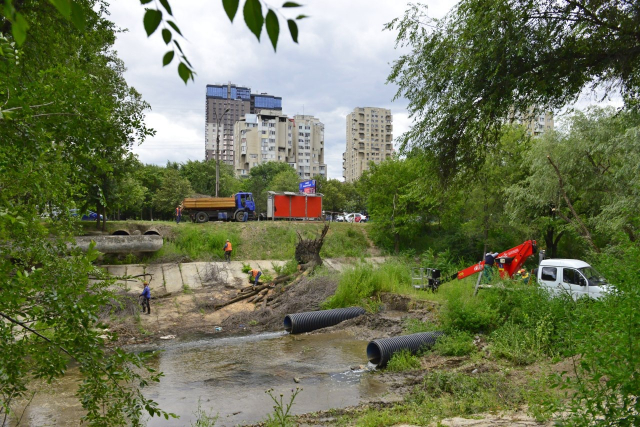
[
  {"x": 270, "y": 136},
  {"x": 225, "y": 105},
  {"x": 535, "y": 122},
  {"x": 369, "y": 139}
]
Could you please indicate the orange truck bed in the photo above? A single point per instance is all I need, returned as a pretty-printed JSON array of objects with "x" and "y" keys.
[{"x": 209, "y": 203}]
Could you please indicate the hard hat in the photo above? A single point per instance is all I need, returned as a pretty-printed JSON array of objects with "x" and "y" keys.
[
  {"x": 145, "y": 283},
  {"x": 227, "y": 240},
  {"x": 522, "y": 270}
]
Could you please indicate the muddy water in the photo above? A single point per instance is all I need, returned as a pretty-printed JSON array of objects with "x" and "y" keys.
[{"x": 229, "y": 376}]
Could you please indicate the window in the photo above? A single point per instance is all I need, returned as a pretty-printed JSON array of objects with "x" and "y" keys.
[
  {"x": 570, "y": 276},
  {"x": 549, "y": 273}
]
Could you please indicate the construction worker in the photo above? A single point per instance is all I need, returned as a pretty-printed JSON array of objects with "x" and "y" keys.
[
  {"x": 489, "y": 260},
  {"x": 178, "y": 214},
  {"x": 524, "y": 276},
  {"x": 227, "y": 248},
  {"x": 146, "y": 297},
  {"x": 255, "y": 275}
]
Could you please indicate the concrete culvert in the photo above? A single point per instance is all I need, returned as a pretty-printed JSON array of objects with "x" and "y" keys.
[
  {"x": 379, "y": 351},
  {"x": 152, "y": 232},
  {"x": 298, "y": 323},
  {"x": 121, "y": 233}
]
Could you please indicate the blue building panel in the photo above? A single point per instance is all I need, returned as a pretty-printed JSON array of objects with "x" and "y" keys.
[
  {"x": 217, "y": 91},
  {"x": 268, "y": 102}
]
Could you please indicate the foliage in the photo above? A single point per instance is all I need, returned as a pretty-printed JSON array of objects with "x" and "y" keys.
[
  {"x": 68, "y": 121},
  {"x": 361, "y": 284},
  {"x": 260, "y": 179},
  {"x": 455, "y": 343},
  {"x": 172, "y": 192},
  {"x": 281, "y": 416},
  {"x": 199, "y": 243},
  {"x": 202, "y": 177},
  {"x": 290, "y": 267},
  {"x": 414, "y": 326},
  {"x": 204, "y": 418},
  {"x": 463, "y": 312},
  {"x": 403, "y": 360},
  {"x": 605, "y": 383},
  {"x": 488, "y": 61}
]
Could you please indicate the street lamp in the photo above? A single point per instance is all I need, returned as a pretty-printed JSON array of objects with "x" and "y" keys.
[{"x": 218, "y": 119}]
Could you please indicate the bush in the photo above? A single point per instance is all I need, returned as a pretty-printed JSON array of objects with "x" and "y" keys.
[
  {"x": 359, "y": 284},
  {"x": 463, "y": 312},
  {"x": 403, "y": 360},
  {"x": 455, "y": 344},
  {"x": 415, "y": 326}
]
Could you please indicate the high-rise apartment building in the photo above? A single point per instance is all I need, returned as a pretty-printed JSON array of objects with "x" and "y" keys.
[
  {"x": 536, "y": 122},
  {"x": 270, "y": 136},
  {"x": 236, "y": 101},
  {"x": 369, "y": 139}
]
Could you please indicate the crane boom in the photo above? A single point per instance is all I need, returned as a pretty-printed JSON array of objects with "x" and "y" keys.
[{"x": 512, "y": 260}]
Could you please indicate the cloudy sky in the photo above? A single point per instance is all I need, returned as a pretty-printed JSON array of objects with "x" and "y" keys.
[{"x": 341, "y": 62}]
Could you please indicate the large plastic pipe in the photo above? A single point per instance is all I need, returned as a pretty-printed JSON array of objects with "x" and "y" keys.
[
  {"x": 310, "y": 321},
  {"x": 379, "y": 352}
]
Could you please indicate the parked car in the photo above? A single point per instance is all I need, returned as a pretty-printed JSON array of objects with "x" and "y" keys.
[
  {"x": 355, "y": 217},
  {"x": 87, "y": 216},
  {"x": 339, "y": 218}
]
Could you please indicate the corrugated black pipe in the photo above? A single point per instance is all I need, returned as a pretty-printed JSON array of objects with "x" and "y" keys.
[
  {"x": 310, "y": 321},
  {"x": 379, "y": 352}
]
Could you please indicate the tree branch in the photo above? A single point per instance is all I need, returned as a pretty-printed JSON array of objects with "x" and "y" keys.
[{"x": 584, "y": 229}]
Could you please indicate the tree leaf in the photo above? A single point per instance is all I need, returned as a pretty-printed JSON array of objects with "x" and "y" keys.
[
  {"x": 145, "y": 1},
  {"x": 174, "y": 26},
  {"x": 151, "y": 20},
  {"x": 293, "y": 29},
  {"x": 291, "y": 4},
  {"x": 301, "y": 17},
  {"x": 63, "y": 6},
  {"x": 167, "y": 7},
  {"x": 231, "y": 7},
  {"x": 77, "y": 16},
  {"x": 253, "y": 16},
  {"x": 166, "y": 35},
  {"x": 184, "y": 72},
  {"x": 168, "y": 57},
  {"x": 19, "y": 29},
  {"x": 273, "y": 27},
  {"x": 178, "y": 45}
]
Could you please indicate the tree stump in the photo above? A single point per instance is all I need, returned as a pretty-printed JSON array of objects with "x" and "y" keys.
[{"x": 308, "y": 251}]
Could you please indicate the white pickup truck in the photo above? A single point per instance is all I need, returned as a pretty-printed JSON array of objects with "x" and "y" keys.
[{"x": 571, "y": 276}]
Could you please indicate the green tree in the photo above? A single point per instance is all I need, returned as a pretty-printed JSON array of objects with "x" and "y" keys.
[
  {"x": 259, "y": 181},
  {"x": 465, "y": 74},
  {"x": 173, "y": 190},
  {"x": 202, "y": 176},
  {"x": 63, "y": 104},
  {"x": 334, "y": 199},
  {"x": 287, "y": 180}
]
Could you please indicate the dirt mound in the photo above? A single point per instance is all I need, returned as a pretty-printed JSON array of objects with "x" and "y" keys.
[{"x": 307, "y": 295}]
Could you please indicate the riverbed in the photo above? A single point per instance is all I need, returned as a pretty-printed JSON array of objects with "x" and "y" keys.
[{"x": 228, "y": 376}]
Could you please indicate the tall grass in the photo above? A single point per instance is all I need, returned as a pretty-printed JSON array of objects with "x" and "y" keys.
[
  {"x": 204, "y": 243},
  {"x": 361, "y": 284}
]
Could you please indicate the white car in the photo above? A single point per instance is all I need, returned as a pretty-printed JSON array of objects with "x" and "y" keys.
[
  {"x": 572, "y": 276},
  {"x": 355, "y": 217}
]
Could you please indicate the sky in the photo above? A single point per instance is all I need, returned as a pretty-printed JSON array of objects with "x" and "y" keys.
[{"x": 341, "y": 62}]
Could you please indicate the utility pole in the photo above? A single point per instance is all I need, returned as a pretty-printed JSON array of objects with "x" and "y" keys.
[{"x": 218, "y": 119}]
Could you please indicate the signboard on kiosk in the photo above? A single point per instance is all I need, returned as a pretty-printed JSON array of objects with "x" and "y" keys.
[{"x": 308, "y": 187}]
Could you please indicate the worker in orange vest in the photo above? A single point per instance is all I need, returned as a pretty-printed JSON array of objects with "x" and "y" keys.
[
  {"x": 255, "y": 275},
  {"x": 227, "y": 248}
]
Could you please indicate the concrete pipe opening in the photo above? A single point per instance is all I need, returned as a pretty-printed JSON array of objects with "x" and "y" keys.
[
  {"x": 121, "y": 233},
  {"x": 152, "y": 232}
]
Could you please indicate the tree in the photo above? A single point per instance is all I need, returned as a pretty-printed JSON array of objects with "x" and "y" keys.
[
  {"x": 287, "y": 180},
  {"x": 202, "y": 176},
  {"x": 173, "y": 191},
  {"x": 584, "y": 176},
  {"x": 489, "y": 60},
  {"x": 63, "y": 105},
  {"x": 334, "y": 199},
  {"x": 259, "y": 181}
]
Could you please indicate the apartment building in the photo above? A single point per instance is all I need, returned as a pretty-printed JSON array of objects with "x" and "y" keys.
[
  {"x": 270, "y": 136},
  {"x": 369, "y": 139},
  {"x": 236, "y": 101},
  {"x": 535, "y": 122}
]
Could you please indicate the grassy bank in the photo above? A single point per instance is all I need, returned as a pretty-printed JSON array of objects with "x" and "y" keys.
[{"x": 251, "y": 240}]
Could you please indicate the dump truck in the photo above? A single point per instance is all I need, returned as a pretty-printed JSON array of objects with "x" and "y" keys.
[
  {"x": 289, "y": 205},
  {"x": 219, "y": 208}
]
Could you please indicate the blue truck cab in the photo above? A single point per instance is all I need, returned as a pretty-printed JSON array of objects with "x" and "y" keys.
[{"x": 244, "y": 201}]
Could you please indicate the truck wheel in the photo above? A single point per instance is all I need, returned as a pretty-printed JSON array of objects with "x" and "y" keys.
[
  {"x": 239, "y": 216},
  {"x": 202, "y": 217}
]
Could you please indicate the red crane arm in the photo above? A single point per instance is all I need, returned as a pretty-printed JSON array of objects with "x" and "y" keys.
[{"x": 513, "y": 260}]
